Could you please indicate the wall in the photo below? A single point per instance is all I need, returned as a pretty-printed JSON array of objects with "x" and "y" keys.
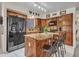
[
  {"x": 77, "y": 26},
  {"x": 0, "y": 24},
  {"x": 70, "y": 10}
]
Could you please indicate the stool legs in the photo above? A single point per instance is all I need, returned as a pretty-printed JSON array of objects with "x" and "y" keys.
[{"x": 64, "y": 48}]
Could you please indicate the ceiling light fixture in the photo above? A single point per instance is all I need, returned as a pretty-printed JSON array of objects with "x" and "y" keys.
[
  {"x": 44, "y": 10},
  {"x": 40, "y": 7}
]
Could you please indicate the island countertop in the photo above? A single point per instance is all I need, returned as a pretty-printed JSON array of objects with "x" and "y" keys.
[
  {"x": 40, "y": 36},
  {"x": 35, "y": 42}
]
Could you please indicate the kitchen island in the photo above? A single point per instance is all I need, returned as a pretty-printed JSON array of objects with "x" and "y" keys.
[{"x": 34, "y": 44}]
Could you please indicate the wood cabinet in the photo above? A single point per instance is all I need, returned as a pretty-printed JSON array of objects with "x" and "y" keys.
[
  {"x": 33, "y": 47},
  {"x": 52, "y": 23},
  {"x": 44, "y": 22},
  {"x": 69, "y": 38},
  {"x": 39, "y": 47},
  {"x": 66, "y": 23},
  {"x": 38, "y": 22},
  {"x": 11, "y": 12},
  {"x": 30, "y": 47}
]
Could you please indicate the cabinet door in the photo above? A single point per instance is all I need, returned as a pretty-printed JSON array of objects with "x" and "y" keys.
[
  {"x": 43, "y": 22},
  {"x": 66, "y": 23},
  {"x": 65, "y": 20},
  {"x": 69, "y": 38},
  {"x": 39, "y": 47},
  {"x": 30, "y": 47},
  {"x": 68, "y": 19},
  {"x": 38, "y": 22},
  {"x": 67, "y": 28}
]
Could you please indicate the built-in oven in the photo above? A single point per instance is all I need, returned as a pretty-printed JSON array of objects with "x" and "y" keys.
[{"x": 15, "y": 32}]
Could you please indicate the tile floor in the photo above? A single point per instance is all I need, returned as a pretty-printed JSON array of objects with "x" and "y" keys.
[
  {"x": 76, "y": 52},
  {"x": 16, "y": 53},
  {"x": 20, "y": 53}
]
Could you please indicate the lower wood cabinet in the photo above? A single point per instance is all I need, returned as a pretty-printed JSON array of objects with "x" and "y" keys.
[
  {"x": 34, "y": 48},
  {"x": 29, "y": 47},
  {"x": 69, "y": 38}
]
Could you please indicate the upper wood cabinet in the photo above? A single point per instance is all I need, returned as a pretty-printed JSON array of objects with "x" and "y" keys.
[
  {"x": 53, "y": 24},
  {"x": 41, "y": 22},
  {"x": 44, "y": 22},
  {"x": 11, "y": 12},
  {"x": 38, "y": 22}
]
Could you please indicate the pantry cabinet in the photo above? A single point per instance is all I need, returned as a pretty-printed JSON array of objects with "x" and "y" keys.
[{"x": 66, "y": 23}]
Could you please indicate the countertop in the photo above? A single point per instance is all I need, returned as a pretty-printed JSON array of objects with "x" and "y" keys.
[{"x": 41, "y": 36}]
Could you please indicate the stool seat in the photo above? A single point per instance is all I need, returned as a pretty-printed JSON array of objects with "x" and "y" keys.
[{"x": 46, "y": 47}]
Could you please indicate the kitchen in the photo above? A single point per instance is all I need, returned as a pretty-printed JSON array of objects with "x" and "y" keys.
[{"x": 38, "y": 27}]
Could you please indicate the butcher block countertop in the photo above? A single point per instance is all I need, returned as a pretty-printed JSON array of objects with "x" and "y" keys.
[{"x": 41, "y": 36}]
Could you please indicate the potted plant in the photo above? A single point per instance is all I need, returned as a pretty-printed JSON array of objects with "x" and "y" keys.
[{"x": 45, "y": 29}]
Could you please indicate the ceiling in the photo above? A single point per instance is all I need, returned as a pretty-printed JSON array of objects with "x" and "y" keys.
[{"x": 49, "y": 6}]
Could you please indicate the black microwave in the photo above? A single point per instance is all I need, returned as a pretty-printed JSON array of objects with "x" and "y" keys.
[{"x": 52, "y": 23}]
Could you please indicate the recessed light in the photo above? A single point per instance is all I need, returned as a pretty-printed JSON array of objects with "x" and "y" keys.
[
  {"x": 39, "y": 7},
  {"x": 42, "y": 9},
  {"x": 35, "y": 5}
]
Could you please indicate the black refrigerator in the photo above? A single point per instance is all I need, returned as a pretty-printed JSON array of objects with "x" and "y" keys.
[{"x": 15, "y": 32}]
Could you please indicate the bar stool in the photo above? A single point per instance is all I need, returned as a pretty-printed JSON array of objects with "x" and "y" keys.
[
  {"x": 61, "y": 44},
  {"x": 64, "y": 37},
  {"x": 52, "y": 48},
  {"x": 56, "y": 38}
]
